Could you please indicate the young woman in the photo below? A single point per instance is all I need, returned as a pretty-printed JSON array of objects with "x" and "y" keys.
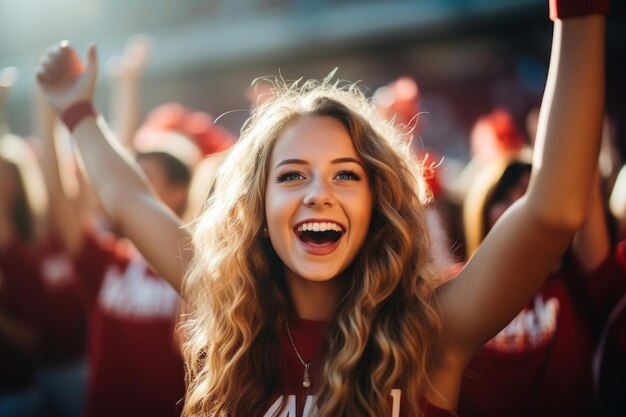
[{"x": 309, "y": 279}]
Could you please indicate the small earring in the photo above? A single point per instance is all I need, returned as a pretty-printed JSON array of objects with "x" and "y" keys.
[{"x": 266, "y": 233}]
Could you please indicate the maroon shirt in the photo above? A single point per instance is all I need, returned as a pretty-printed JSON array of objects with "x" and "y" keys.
[
  {"x": 62, "y": 314},
  {"x": 135, "y": 366},
  {"x": 308, "y": 337},
  {"x": 20, "y": 296},
  {"x": 541, "y": 363}
]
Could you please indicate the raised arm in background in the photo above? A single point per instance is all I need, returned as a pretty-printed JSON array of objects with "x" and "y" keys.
[
  {"x": 8, "y": 77},
  {"x": 125, "y": 73},
  {"x": 67, "y": 213},
  {"x": 68, "y": 83}
]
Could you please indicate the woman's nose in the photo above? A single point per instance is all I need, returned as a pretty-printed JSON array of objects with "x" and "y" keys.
[{"x": 318, "y": 195}]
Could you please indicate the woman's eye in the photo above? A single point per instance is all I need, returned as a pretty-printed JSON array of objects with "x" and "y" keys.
[
  {"x": 289, "y": 176},
  {"x": 347, "y": 175}
]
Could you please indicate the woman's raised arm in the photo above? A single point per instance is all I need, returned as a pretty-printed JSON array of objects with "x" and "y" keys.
[
  {"x": 522, "y": 248},
  {"x": 68, "y": 84}
]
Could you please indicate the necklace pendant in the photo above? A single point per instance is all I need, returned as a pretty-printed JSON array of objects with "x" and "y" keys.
[{"x": 306, "y": 381}]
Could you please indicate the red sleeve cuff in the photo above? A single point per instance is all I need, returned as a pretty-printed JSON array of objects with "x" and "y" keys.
[
  {"x": 72, "y": 116},
  {"x": 563, "y": 9}
]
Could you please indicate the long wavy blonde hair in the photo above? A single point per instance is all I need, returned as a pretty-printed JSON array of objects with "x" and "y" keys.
[{"x": 386, "y": 322}]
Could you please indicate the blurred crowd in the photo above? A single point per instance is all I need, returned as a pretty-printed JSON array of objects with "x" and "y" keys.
[{"x": 87, "y": 328}]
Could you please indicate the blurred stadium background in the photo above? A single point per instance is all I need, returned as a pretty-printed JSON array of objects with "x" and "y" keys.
[{"x": 467, "y": 55}]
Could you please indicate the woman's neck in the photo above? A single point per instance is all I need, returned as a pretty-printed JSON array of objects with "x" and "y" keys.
[{"x": 314, "y": 300}]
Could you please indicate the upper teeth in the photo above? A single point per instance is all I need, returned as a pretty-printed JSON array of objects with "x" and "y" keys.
[{"x": 319, "y": 227}]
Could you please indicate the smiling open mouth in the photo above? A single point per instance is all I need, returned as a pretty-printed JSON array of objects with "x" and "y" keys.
[{"x": 319, "y": 233}]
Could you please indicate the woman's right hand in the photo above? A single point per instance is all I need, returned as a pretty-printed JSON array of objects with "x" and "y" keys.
[{"x": 64, "y": 78}]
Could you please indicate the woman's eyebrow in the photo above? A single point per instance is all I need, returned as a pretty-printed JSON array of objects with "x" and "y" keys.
[
  {"x": 346, "y": 159},
  {"x": 291, "y": 161},
  {"x": 303, "y": 162}
]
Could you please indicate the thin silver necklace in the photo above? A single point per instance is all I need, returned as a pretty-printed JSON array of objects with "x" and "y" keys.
[{"x": 306, "y": 381}]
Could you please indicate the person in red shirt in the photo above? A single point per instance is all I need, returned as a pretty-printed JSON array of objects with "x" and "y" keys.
[
  {"x": 130, "y": 307},
  {"x": 62, "y": 364},
  {"x": 20, "y": 287},
  {"x": 47, "y": 298},
  {"x": 316, "y": 215},
  {"x": 540, "y": 364},
  {"x": 135, "y": 366}
]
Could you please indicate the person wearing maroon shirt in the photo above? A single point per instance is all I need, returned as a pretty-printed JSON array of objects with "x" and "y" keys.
[
  {"x": 20, "y": 290},
  {"x": 317, "y": 214},
  {"x": 135, "y": 367},
  {"x": 132, "y": 313},
  {"x": 62, "y": 367},
  {"x": 540, "y": 364},
  {"x": 54, "y": 311}
]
